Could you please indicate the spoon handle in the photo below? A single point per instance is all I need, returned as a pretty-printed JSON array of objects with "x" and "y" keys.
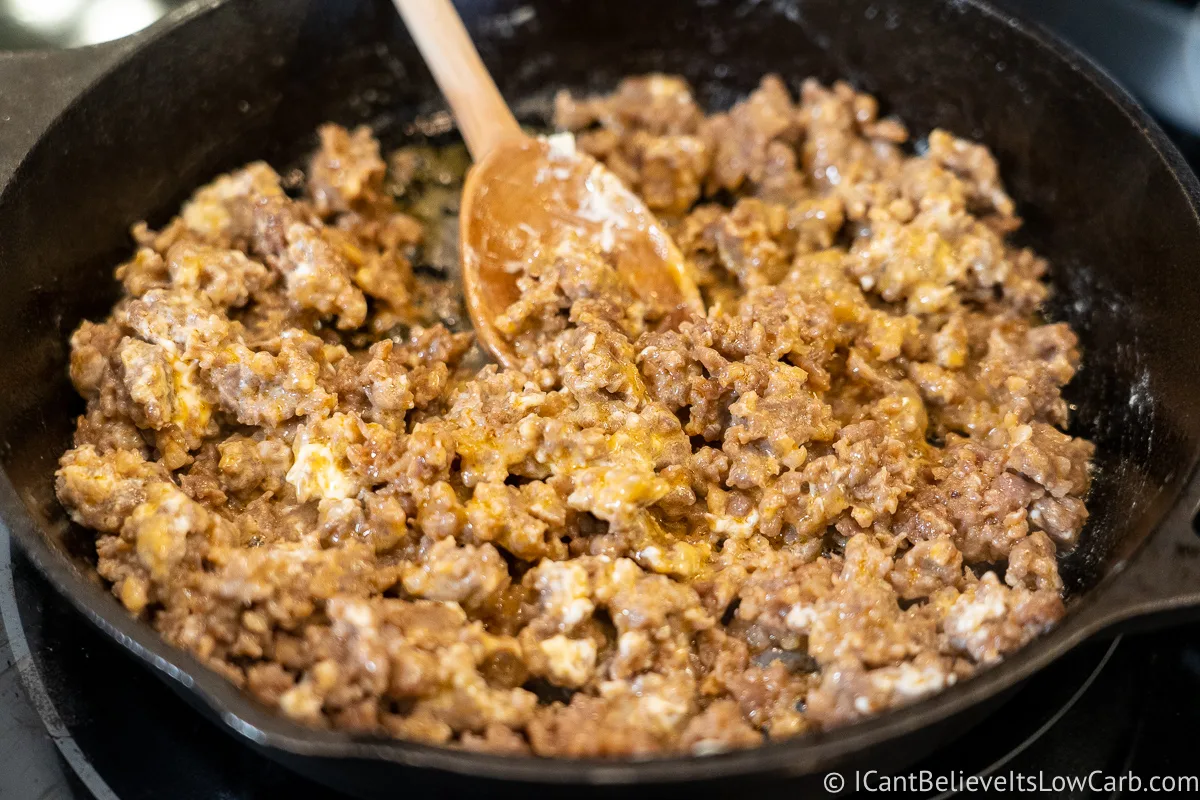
[{"x": 483, "y": 116}]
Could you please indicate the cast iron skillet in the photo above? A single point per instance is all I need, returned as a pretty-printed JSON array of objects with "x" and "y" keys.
[{"x": 93, "y": 140}]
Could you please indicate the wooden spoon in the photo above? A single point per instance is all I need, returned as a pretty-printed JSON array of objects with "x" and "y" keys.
[{"x": 523, "y": 189}]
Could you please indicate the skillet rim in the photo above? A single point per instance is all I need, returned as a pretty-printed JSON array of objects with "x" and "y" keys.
[{"x": 804, "y": 754}]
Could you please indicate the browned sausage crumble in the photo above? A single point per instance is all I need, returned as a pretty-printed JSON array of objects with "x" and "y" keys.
[{"x": 842, "y": 490}]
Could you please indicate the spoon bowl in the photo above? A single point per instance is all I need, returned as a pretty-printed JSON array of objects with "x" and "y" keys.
[{"x": 524, "y": 191}]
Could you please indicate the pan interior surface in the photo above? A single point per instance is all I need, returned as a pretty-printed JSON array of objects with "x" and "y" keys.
[{"x": 247, "y": 80}]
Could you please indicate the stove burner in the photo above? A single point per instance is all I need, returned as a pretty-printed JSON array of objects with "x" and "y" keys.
[{"x": 124, "y": 733}]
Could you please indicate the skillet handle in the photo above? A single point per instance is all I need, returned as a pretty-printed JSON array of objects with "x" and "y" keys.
[{"x": 1159, "y": 585}]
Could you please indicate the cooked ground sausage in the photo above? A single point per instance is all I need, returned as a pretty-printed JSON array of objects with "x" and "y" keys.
[{"x": 842, "y": 489}]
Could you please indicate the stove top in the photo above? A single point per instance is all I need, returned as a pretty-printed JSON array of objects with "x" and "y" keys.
[{"x": 81, "y": 720}]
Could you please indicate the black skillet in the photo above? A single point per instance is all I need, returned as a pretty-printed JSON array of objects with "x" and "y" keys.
[{"x": 93, "y": 140}]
